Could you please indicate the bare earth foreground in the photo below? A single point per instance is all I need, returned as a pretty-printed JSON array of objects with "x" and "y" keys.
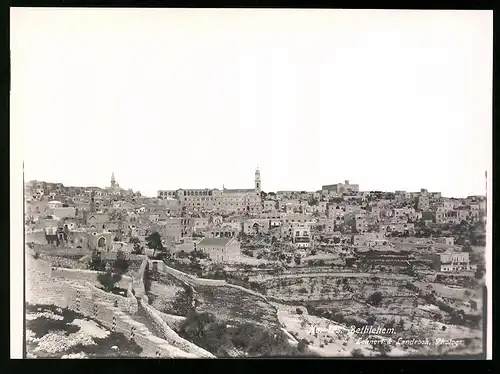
[{"x": 53, "y": 332}]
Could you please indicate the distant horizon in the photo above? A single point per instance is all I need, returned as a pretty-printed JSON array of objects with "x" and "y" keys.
[
  {"x": 199, "y": 98},
  {"x": 264, "y": 190}
]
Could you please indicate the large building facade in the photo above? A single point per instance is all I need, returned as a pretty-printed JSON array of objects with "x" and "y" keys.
[{"x": 225, "y": 200}]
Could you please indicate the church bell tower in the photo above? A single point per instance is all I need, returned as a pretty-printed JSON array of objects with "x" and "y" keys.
[
  {"x": 258, "y": 186},
  {"x": 113, "y": 181}
]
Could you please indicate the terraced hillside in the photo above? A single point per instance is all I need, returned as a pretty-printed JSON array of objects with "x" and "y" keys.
[
  {"x": 234, "y": 305},
  {"x": 229, "y": 304},
  {"x": 226, "y": 321}
]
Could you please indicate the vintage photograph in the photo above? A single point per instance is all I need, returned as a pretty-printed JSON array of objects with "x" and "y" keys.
[{"x": 222, "y": 183}]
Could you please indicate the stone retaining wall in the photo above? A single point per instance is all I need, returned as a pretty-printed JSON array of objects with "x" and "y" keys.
[
  {"x": 202, "y": 281},
  {"x": 173, "y": 321},
  {"x": 171, "y": 336},
  {"x": 85, "y": 299},
  {"x": 88, "y": 276}
]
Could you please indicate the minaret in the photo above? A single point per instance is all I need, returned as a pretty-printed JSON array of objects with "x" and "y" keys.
[
  {"x": 113, "y": 181},
  {"x": 258, "y": 186}
]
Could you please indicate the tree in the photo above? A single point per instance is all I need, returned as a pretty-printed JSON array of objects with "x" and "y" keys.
[
  {"x": 134, "y": 240},
  {"x": 375, "y": 299},
  {"x": 196, "y": 254},
  {"x": 401, "y": 325},
  {"x": 479, "y": 274},
  {"x": 357, "y": 353},
  {"x": 154, "y": 242},
  {"x": 108, "y": 279},
  {"x": 302, "y": 345},
  {"x": 147, "y": 280},
  {"x": 468, "y": 247},
  {"x": 313, "y": 201},
  {"x": 138, "y": 249},
  {"x": 96, "y": 261},
  {"x": 121, "y": 264}
]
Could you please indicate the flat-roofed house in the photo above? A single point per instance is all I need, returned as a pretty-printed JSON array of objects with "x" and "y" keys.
[{"x": 220, "y": 249}]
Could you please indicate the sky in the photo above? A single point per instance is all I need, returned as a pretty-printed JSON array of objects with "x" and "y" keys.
[{"x": 177, "y": 98}]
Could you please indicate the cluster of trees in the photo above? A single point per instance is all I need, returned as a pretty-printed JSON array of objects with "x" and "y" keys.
[
  {"x": 313, "y": 201},
  {"x": 465, "y": 233},
  {"x": 138, "y": 248},
  {"x": 246, "y": 339},
  {"x": 111, "y": 271}
]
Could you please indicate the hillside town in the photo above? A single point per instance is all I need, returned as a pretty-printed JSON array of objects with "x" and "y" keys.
[{"x": 206, "y": 273}]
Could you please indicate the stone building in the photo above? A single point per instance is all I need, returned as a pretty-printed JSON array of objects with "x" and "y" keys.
[
  {"x": 220, "y": 249},
  {"x": 100, "y": 240},
  {"x": 225, "y": 200},
  {"x": 451, "y": 261},
  {"x": 340, "y": 188},
  {"x": 255, "y": 226}
]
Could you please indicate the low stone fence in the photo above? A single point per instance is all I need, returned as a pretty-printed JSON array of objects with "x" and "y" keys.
[
  {"x": 171, "y": 336},
  {"x": 173, "y": 321},
  {"x": 130, "y": 256},
  {"x": 87, "y": 276},
  {"x": 202, "y": 281},
  {"x": 126, "y": 303},
  {"x": 443, "y": 290},
  {"x": 299, "y": 297},
  {"x": 138, "y": 284}
]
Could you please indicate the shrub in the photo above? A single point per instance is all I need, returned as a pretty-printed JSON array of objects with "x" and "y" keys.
[
  {"x": 108, "y": 279},
  {"x": 147, "y": 280},
  {"x": 371, "y": 320},
  {"x": 36, "y": 255},
  {"x": 298, "y": 311},
  {"x": 134, "y": 240},
  {"x": 302, "y": 345},
  {"x": 196, "y": 254},
  {"x": 204, "y": 330},
  {"x": 121, "y": 264},
  {"x": 303, "y": 290},
  {"x": 375, "y": 299},
  {"x": 138, "y": 249},
  {"x": 357, "y": 353},
  {"x": 96, "y": 262}
]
